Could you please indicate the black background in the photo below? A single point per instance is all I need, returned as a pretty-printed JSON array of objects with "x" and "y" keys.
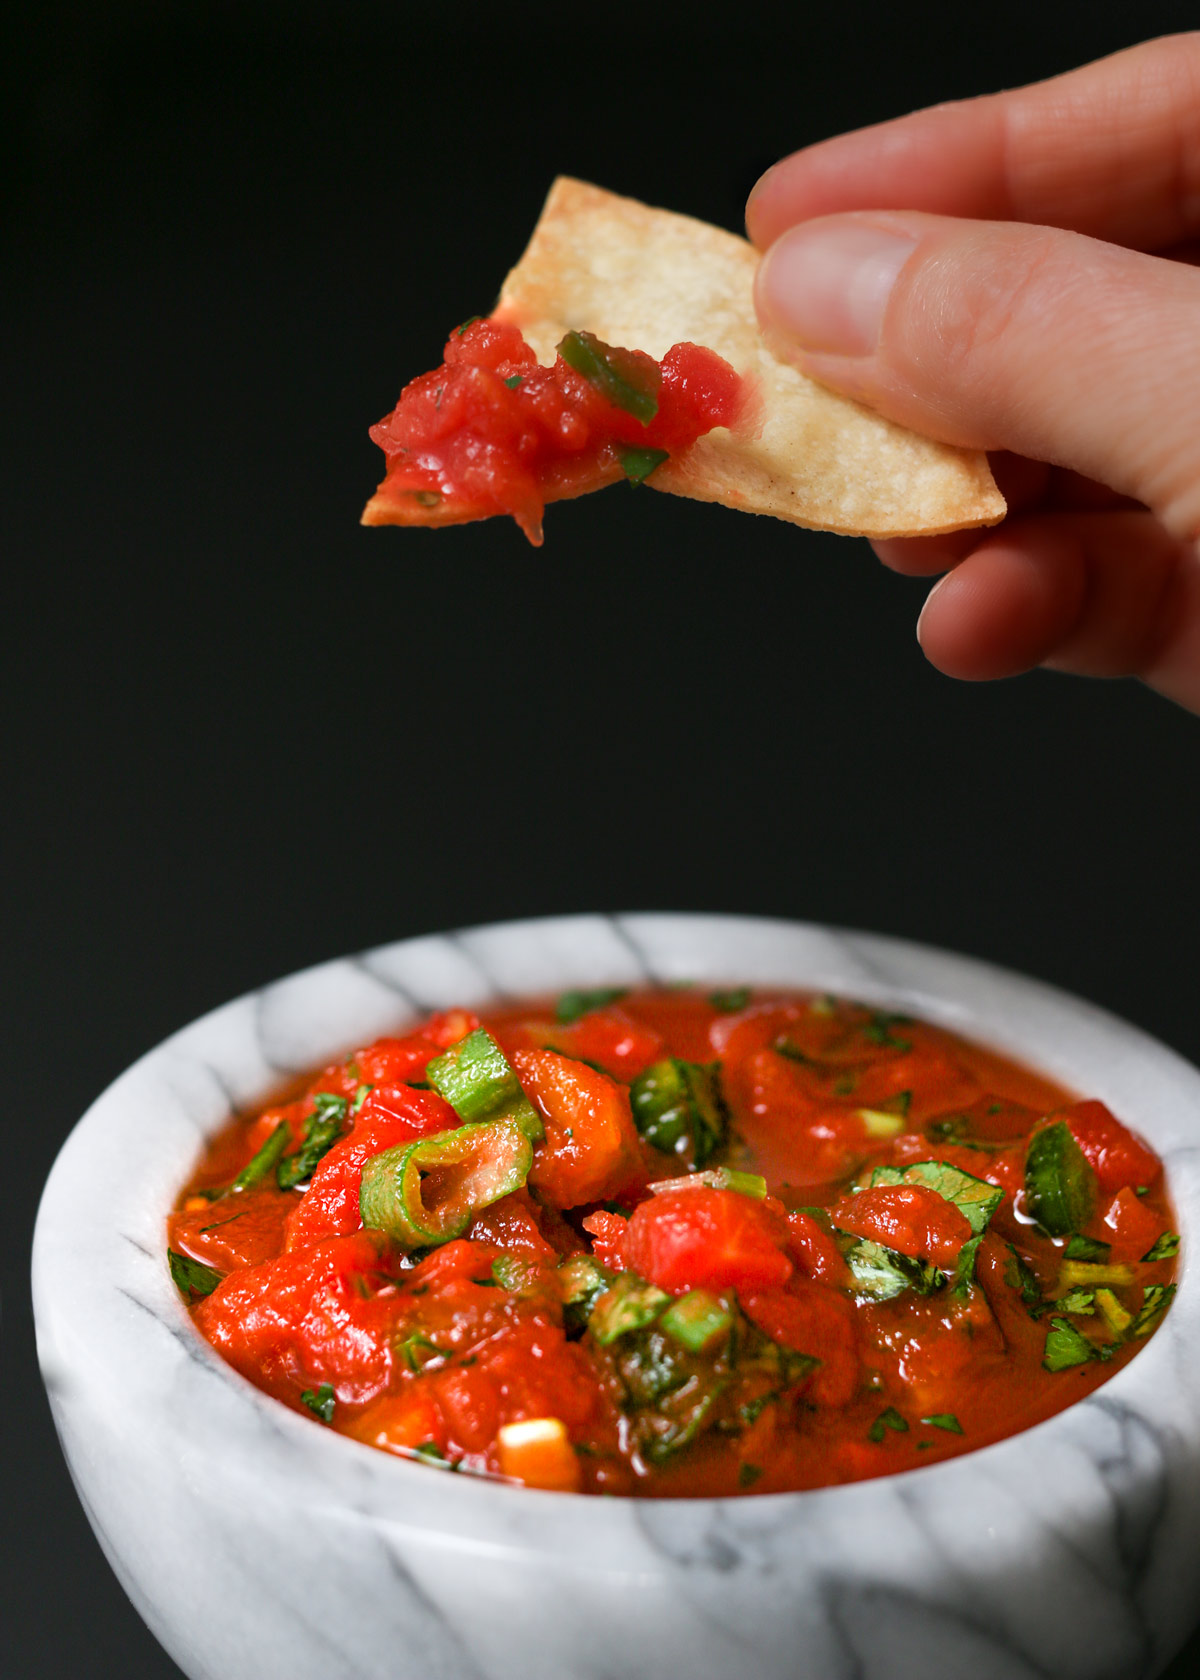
[{"x": 243, "y": 734}]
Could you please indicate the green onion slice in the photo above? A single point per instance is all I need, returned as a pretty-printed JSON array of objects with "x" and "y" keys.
[
  {"x": 698, "y": 1320},
  {"x": 428, "y": 1191},
  {"x": 475, "y": 1078},
  {"x": 620, "y": 376},
  {"x": 678, "y": 1107}
]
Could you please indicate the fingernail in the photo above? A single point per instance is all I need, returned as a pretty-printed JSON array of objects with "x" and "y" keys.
[{"x": 826, "y": 285}]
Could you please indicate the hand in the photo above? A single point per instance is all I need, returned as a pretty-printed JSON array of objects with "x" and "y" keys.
[{"x": 1012, "y": 273}]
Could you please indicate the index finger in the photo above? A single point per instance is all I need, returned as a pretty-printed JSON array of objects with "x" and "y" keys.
[{"x": 1111, "y": 150}]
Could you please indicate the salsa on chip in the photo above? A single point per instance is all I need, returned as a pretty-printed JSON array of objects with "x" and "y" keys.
[{"x": 625, "y": 345}]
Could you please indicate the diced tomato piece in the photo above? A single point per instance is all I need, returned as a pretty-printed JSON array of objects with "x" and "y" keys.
[
  {"x": 391, "y": 1114},
  {"x": 810, "y": 1318},
  {"x": 393, "y": 1061},
  {"x": 1116, "y": 1155},
  {"x": 609, "y": 1231},
  {"x": 512, "y": 1225},
  {"x": 813, "y": 1251},
  {"x": 450, "y": 1026},
  {"x": 1132, "y": 1227},
  {"x": 909, "y": 1218},
  {"x": 307, "y": 1318},
  {"x": 614, "y": 1039},
  {"x": 591, "y": 1148},
  {"x": 933, "y": 1078},
  {"x": 400, "y": 1422},
  {"x": 807, "y": 1139},
  {"x": 702, "y": 1238},
  {"x": 243, "y": 1229}
]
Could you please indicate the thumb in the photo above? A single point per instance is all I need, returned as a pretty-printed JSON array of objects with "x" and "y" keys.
[{"x": 1003, "y": 336}]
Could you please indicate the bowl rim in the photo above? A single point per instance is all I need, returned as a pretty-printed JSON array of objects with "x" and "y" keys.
[{"x": 944, "y": 986}]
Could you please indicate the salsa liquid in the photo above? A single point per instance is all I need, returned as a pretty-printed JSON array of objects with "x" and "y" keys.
[{"x": 677, "y": 1243}]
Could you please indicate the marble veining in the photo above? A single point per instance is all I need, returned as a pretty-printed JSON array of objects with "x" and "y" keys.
[{"x": 254, "y": 1542}]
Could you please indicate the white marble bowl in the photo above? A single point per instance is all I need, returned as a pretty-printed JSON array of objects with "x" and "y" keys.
[{"x": 256, "y": 1543}]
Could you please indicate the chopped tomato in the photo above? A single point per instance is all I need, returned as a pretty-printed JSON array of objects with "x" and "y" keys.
[
  {"x": 1131, "y": 1227},
  {"x": 909, "y": 1218},
  {"x": 512, "y": 1225},
  {"x": 608, "y": 1231},
  {"x": 711, "y": 1239},
  {"x": 591, "y": 1148},
  {"x": 812, "y": 1319},
  {"x": 620, "y": 1044},
  {"x": 241, "y": 1229},
  {"x": 317, "y": 1316},
  {"x": 401, "y": 1422},
  {"x": 1116, "y": 1155},
  {"x": 390, "y": 1115},
  {"x": 813, "y": 1250},
  {"x": 809, "y": 1140}
]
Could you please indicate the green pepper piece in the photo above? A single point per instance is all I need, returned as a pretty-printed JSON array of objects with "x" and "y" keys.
[
  {"x": 699, "y": 1320},
  {"x": 475, "y": 1078},
  {"x": 465, "y": 1170},
  {"x": 679, "y": 1109},
  {"x": 264, "y": 1158},
  {"x": 1060, "y": 1186},
  {"x": 617, "y": 374}
]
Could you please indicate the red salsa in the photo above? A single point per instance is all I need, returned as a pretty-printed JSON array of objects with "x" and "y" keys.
[
  {"x": 677, "y": 1243},
  {"x": 492, "y": 431}
]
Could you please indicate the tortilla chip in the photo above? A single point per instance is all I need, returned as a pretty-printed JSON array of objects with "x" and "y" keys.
[{"x": 647, "y": 279}]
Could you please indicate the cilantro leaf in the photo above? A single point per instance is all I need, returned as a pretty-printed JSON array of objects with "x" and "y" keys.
[
  {"x": 1164, "y": 1248},
  {"x": 1066, "y": 1346},
  {"x": 191, "y": 1277},
  {"x": 729, "y": 1003},
  {"x": 1155, "y": 1302},
  {"x": 321, "y": 1131},
  {"x": 320, "y": 1402},
  {"x": 944, "y": 1420},
  {"x": 889, "y": 1419},
  {"x": 572, "y": 1006}
]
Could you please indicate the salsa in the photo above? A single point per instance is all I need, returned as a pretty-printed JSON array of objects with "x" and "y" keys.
[
  {"x": 670, "y": 1242},
  {"x": 492, "y": 431}
]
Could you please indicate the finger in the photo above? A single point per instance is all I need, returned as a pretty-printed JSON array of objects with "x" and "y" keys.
[
  {"x": 1096, "y": 594},
  {"x": 1000, "y": 336},
  {"x": 1111, "y": 150},
  {"x": 1023, "y": 485}
]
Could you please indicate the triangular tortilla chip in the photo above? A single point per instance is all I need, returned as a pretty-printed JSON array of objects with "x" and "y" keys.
[{"x": 648, "y": 279}]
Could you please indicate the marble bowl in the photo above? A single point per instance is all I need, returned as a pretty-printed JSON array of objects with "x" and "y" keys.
[{"x": 255, "y": 1543}]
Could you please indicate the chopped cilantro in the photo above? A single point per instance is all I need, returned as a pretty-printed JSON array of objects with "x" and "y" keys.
[
  {"x": 944, "y": 1420},
  {"x": 572, "y": 1005},
  {"x": 638, "y": 464},
  {"x": 729, "y": 1003},
  {"x": 889, "y": 1419},
  {"x": 190, "y": 1276},
  {"x": 748, "y": 1474},
  {"x": 264, "y": 1158},
  {"x": 1018, "y": 1275},
  {"x": 879, "y": 1030},
  {"x": 1066, "y": 1346},
  {"x": 320, "y": 1402},
  {"x": 469, "y": 322},
  {"x": 1079, "y": 1301},
  {"x": 1164, "y": 1248},
  {"x": 1155, "y": 1302},
  {"x": 1086, "y": 1248},
  {"x": 321, "y": 1130},
  {"x": 514, "y": 380}
]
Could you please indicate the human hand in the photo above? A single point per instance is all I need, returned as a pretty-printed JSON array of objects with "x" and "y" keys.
[{"x": 1012, "y": 273}]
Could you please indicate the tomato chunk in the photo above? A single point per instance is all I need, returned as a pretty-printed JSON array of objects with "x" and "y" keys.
[
  {"x": 811, "y": 1319},
  {"x": 591, "y": 1147},
  {"x": 308, "y": 1318},
  {"x": 1132, "y": 1227},
  {"x": 391, "y": 1114},
  {"x": 909, "y": 1218},
  {"x": 712, "y": 1239},
  {"x": 1116, "y": 1155}
]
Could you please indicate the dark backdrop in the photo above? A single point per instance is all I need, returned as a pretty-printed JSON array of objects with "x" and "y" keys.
[{"x": 244, "y": 734}]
